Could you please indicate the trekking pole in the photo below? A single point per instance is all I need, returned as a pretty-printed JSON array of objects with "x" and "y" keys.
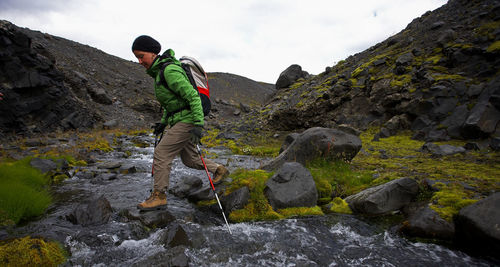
[{"x": 213, "y": 188}]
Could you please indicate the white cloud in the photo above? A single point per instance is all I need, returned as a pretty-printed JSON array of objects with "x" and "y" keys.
[{"x": 257, "y": 38}]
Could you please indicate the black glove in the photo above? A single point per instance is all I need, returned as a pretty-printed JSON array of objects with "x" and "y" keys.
[
  {"x": 158, "y": 128},
  {"x": 196, "y": 134}
]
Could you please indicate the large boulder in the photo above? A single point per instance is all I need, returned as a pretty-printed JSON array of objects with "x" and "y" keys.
[
  {"x": 95, "y": 212},
  {"x": 289, "y": 76},
  {"x": 291, "y": 186},
  {"x": 482, "y": 121},
  {"x": 427, "y": 223},
  {"x": 477, "y": 225},
  {"x": 384, "y": 198},
  {"x": 331, "y": 144}
]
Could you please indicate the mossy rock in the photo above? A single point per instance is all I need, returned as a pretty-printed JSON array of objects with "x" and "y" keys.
[{"x": 28, "y": 251}]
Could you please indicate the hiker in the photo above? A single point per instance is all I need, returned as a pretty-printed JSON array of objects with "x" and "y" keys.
[{"x": 182, "y": 112}]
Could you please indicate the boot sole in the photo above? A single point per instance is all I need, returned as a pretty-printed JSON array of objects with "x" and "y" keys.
[{"x": 160, "y": 207}]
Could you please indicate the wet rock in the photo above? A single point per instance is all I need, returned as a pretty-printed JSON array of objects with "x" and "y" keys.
[
  {"x": 289, "y": 76},
  {"x": 44, "y": 165},
  {"x": 152, "y": 219},
  {"x": 204, "y": 193},
  {"x": 187, "y": 185},
  {"x": 236, "y": 200},
  {"x": 426, "y": 223},
  {"x": 84, "y": 175},
  {"x": 110, "y": 165},
  {"x": 95, "y": 212},
  {"x": 179, "y": 259},
  {"x": 127, "y": 169},
  {"x": 291, "y": 186},
  {"x": 477, "y": 225},
  {"x": 318, "y": 142},
  {"x": 104, "y": 177},
  {"x": 174, "y": 236},
  {"x": 385, "y": 198}
]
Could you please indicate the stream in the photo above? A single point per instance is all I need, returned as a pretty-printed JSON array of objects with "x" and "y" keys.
[{"x": 330, "y": 240}]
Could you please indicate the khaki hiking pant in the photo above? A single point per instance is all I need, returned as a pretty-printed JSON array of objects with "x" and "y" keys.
[{"x": 176, "y": 141}]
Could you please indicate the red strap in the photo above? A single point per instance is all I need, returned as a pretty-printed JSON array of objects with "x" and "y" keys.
[{"x": 204, "y": 91}]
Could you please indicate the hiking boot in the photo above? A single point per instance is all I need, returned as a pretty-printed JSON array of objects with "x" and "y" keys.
[
  {"x": 157, "y": 200},
  {"x": 220, "y": 174}
]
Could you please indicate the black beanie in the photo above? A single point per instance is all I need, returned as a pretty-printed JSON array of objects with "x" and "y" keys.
[{"x": 146, "y": 44}]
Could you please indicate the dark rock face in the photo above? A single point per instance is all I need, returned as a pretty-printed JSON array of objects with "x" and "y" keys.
[
  {"x": 442, "y": 81},
  {"x": 291, "y": 186},
  {"x": 318, "y": 142},
  {"x": 95, "y": 212},
  {"x": 477, "y": 225},
  {"x": 35, "y": 97},
  {"x": 384, "y": 198}
]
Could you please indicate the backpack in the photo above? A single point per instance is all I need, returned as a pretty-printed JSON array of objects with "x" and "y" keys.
[{"x": 198, "y": 79}]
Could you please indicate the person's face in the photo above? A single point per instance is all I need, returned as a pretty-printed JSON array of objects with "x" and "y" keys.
[{"x": 145, "y": 58}]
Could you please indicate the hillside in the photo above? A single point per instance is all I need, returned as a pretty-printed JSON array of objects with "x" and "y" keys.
[
  {"x": 439, "y": 77},
  {"x": 51, "y": 83}
]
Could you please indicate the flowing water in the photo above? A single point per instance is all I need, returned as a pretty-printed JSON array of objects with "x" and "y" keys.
[{"x": 331, "y": 240}]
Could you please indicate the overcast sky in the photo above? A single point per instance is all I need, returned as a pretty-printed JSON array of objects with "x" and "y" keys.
[{"x": 257, "y": 39}]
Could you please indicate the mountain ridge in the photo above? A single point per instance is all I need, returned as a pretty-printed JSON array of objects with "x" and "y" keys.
[{"x": 51, "y": 83}]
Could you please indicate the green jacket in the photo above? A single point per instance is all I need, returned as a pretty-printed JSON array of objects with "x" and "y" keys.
[{"x": 179, "y": 94}]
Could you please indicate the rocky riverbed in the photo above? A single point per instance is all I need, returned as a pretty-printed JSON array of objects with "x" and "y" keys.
[{"x": 94, "y": 216}]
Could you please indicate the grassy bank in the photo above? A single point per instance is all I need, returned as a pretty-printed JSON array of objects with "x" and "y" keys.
[
  {"x": 24, "y": 192},
  {"x": 460, "y": 179}
]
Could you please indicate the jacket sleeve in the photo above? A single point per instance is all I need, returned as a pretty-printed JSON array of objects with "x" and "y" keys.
[{"x": 179, "y": 83}]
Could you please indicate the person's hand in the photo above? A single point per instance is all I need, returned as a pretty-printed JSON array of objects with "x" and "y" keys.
[
  {"x": 1, "y": 96},
  {"x": 158, "y": 128},
  {"x": 196, "y": 134}
]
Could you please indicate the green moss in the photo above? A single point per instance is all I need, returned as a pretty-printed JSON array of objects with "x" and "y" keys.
[
  {"x": 453, "y": 77},
  {"x": 258, "y": 208},
  {"x": 29, "y": 251},
  {"x": 340, "y": 206},
  {"x": 262, "y": 145},
  {"x": 23, "y": 191},
  {"x": 402, "y": 158},
  {"x": 59, "y": 178},
  {"x": 494, "y": 47},
  {"x": 300, "y": 211},
  {"x": 450, "y": 199},
  {"x": 337, "y": 178},
  {"x": 401, "y": 80},
  {"x": 80, "y": 163},
  {"x": 488, "y": 29},
  {"x": 365, "y": 65}
]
